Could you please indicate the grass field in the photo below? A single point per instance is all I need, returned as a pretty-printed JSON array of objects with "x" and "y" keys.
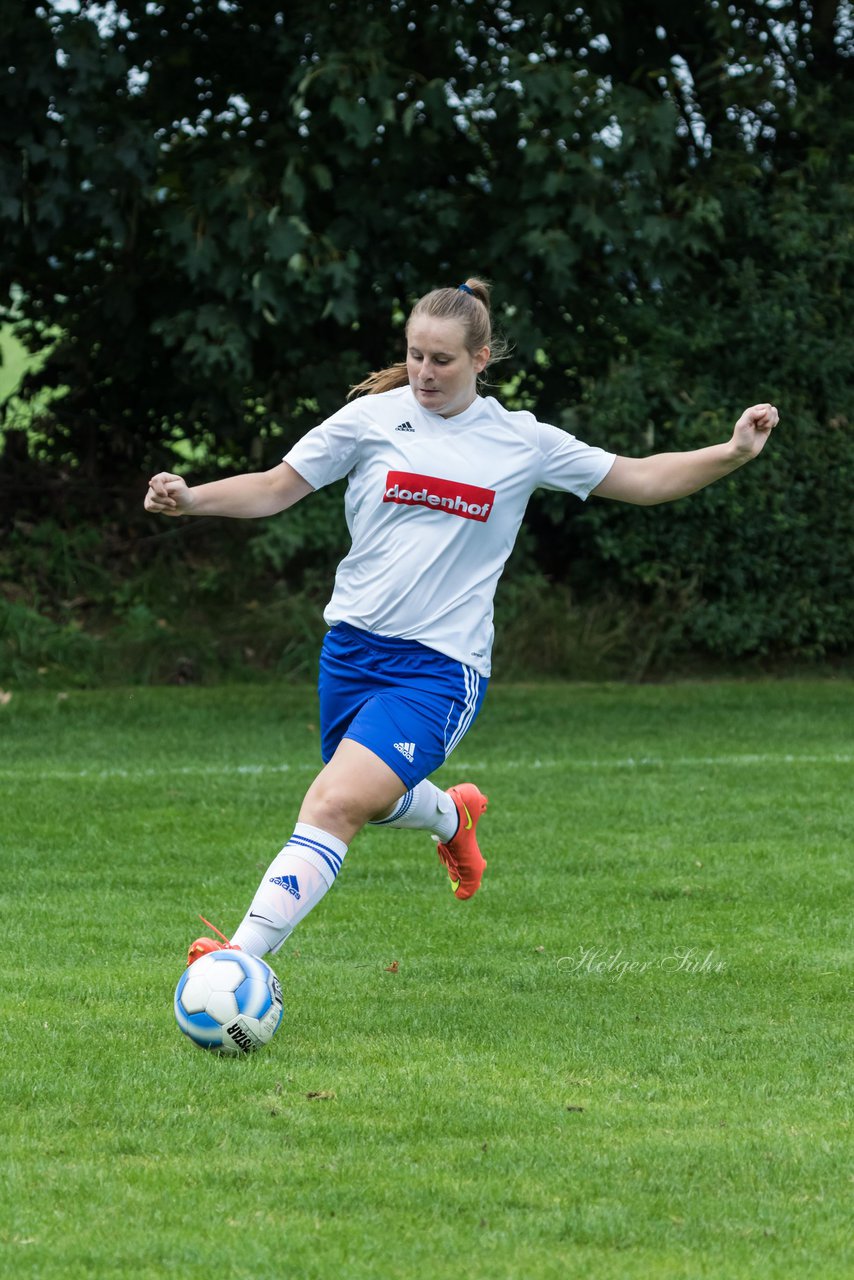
[{"x": 628, "y": 1057}]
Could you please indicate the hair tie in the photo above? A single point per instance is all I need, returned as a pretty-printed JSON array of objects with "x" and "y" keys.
[{"x": 463, "y": 288}]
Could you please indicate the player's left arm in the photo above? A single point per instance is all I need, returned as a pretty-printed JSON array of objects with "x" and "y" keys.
[{"x": 663, "y": 477}]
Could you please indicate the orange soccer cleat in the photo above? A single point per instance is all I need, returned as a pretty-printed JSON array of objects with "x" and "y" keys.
[
  {"x": 460, "y": 855},
  {"x": 203, "y": 946}
]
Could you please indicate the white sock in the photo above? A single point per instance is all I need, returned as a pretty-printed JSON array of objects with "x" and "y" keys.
[
  {"x": 294, "y": 883},
  {"x": 424, "y": 808}
]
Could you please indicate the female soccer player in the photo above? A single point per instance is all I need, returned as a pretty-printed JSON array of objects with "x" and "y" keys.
[{"x": 438, "y": 478}]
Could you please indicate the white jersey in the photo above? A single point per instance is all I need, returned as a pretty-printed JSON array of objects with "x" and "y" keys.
[{"x": 433, "y": 506}]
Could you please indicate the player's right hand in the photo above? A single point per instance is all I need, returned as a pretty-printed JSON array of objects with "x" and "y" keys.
[{"x": 168, "y": 495}]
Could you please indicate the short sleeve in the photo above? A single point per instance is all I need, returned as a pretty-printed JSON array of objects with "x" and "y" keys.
[
  {"x": 329, "y": 451},
  {"x": 569, "y": 464}
]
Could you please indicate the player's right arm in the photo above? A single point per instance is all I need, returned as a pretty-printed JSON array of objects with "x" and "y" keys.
[{"x": 259, "y": 493}]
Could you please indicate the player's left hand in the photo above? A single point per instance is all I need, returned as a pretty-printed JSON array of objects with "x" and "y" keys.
[{"x": 753, "y": 428}]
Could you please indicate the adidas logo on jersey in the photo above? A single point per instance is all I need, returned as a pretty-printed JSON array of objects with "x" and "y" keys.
[
  {"x": 406, "y": 749},
  {"x": 289, "y": 883},
  {"x": 405, "y": 426}
]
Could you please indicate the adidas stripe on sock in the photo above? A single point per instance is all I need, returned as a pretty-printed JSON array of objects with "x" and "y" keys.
[
  {"x": 295, "y": 881},
  {"x": 424, "y": 808}
]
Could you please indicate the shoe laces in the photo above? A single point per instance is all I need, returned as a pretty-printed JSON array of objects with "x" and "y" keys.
[
  {"x": 216, "y": 930},
  {"x": 446, "y": 857}
]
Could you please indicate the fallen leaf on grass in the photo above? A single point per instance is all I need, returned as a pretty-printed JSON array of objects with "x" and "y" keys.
[
  {"x": 575, "y": 1108},
  {"x": 324, "y": 1094},
  {"x": 394, "y": 967}
]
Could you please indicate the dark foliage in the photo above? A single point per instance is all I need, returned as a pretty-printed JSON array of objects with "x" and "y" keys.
[{"x": 224, "y": 211}]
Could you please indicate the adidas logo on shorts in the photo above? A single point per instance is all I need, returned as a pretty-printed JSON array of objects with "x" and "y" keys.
[
  {"x": 405, "y": 426},
  {"x": 406, "y": 749}
]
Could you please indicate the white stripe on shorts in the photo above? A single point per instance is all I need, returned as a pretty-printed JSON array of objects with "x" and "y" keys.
[{"x": 472, "y": 681}]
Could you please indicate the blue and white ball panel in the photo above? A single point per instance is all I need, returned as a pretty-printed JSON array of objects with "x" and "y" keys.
[{"x": 228, "y": 1001}]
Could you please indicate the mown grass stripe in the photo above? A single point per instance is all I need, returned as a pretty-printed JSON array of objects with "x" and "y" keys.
[{"x": 493, "y": 766}]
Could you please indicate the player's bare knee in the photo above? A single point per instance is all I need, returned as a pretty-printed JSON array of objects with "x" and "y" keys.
[{"x": 332, "y": 809}]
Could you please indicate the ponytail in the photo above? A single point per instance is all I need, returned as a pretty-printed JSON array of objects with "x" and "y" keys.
[
  {"x": 468, "y": 303},
  {"x": 381, "y": 380}
]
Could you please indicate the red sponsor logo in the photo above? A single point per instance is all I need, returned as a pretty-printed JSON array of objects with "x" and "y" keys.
[{"x": 466, "y": 500}]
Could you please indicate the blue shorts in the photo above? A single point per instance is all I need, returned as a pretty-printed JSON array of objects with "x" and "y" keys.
[{"x": 408, "y": 704}]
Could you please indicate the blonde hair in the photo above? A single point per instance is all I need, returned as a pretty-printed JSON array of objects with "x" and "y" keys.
[{"x": 468, "y": 303}]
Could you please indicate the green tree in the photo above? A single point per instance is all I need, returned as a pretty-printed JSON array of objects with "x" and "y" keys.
[{"x": 224, "y": 210}]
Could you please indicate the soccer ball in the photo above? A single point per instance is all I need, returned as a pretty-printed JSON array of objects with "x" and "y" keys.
[{"x": 229, "y": 1001}]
